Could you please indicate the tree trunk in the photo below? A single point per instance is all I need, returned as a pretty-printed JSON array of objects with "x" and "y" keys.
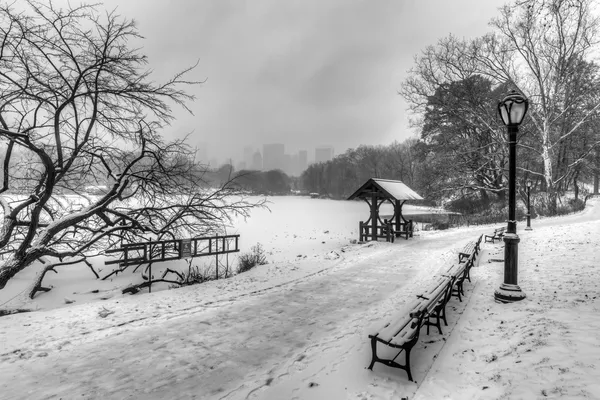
[
  {"x": 551, "y": 195},
  {"x": 484, "y": 195},
  {"x": 597, "y": 171},
  {"x": 501, "y": 196},
  {"x": 13, "y": 266},
  {"x": 576, "y": 186}
]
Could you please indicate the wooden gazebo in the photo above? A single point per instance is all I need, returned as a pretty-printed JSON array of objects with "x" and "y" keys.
[{"x": 376, "y": 192}]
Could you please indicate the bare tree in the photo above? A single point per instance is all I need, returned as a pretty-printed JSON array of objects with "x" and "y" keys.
[
  {"x": 78, "y": 108},
  {"x": 458, "y": 119},
  {"x": 544, "y": 48}
]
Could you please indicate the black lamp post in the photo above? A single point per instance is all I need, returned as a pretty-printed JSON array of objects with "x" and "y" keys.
[
  {"x": 512, "y": 110},
  {"x": 528, "y": 228}
]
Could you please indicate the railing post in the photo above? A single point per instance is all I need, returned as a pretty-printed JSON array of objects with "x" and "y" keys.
[
  {"x": 217, "y": 256},
  {"x": 360, "y": 231},
  {"x": 150, "y": 278}
]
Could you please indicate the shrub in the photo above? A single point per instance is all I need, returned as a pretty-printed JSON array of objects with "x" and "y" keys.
[
  {"x": 576, "y": 204},
  {"x": 469, "y": 205},
  {"x": 250, "y": 260},
  {"x": 439, "y": 225},
  {"x": 573, "y": 205},
  {"x": 194, "y": 276}
]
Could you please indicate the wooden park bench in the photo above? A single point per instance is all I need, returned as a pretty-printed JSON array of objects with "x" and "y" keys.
[
  {"x": 467, "y": 251},
  {"x": 460, "y": 272},
  {"x": 439, "y": 310},
  {"x": 497, "y": 235},
  {"x": 402, "y": 331},
  {"x": 470, "y": 248}
]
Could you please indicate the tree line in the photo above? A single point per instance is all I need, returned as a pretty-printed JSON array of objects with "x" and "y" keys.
[{"x": 545, "y": 49}]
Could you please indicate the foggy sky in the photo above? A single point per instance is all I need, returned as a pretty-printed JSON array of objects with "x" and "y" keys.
[{"x": 304, "y": 73}]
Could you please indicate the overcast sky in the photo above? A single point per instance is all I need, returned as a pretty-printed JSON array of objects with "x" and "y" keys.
[{"x": 304, "y": 73}]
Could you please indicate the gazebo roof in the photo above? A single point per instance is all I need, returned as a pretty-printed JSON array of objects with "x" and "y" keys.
[{"x": 385, "y": 188}]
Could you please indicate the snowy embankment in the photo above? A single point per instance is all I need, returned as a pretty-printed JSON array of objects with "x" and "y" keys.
[{"x": 298, "y": 329}]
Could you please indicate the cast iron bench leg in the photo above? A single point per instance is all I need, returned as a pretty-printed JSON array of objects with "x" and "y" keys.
[
  {"x": 407, "y": 366},
  {"x": 444, "y": 315},
  {"x": 459, "y": 290},
  {"x": 437, "y": 323},
  {"x": 392, "y": 363},
  {"x": 374, "y": 351}
]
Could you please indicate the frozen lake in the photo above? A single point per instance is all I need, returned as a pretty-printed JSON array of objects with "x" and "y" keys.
[
  {"x": 293, "y": 230},
  {"x": 309, "y": 226}
]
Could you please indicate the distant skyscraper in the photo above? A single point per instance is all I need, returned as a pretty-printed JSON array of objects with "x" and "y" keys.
[
  {"x": 323, "y": 154},
  {"x": 273, "y": 156},
  {"x": 302, "y": 161},
  {"x": 295, "y": 165},
  {"x": 213, "y": 163},
  {"x": 248, "y": 155},
  {"x": 287, "y": 166},
  {"x": 257, "y": 162}
]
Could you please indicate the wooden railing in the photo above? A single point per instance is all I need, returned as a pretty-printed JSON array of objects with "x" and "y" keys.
[
  {"x": 385, "y": 231},
  {"x": 165, "y": 250}
]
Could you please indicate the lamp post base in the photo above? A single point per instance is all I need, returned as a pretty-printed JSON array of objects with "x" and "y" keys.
[
  {"x": 528, "y": 228},
  {"x": 508, "y": 293}
]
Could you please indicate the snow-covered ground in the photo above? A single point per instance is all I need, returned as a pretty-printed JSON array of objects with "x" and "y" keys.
[
  {"x": 297, "y": 328},
  {"x": 291, "y": 229}
]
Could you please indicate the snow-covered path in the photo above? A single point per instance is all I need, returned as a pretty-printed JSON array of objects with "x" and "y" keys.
[
  {"x": 229, "y": 347},
  {"x": 264, "y": 334}
]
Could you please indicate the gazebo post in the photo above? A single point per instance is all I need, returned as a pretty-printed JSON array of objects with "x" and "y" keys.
[
  {"x": 374, "y": 216},
  {"x": 398, "y": 214}
]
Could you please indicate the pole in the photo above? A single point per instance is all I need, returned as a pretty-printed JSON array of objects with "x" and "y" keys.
[
  {"x": 512, "y": 178},
  {"x": 374, "y": 216},
  {"x": 510, "y": 291},
  {"x": 528, "y": 228}
]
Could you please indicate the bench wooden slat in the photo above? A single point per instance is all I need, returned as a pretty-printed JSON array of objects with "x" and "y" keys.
[
  {"x": 406, "y": 334},
  {"x": 396, "y": 323},
  {"x": 387, "y": 333},
  {"x": 433, "y": 299},
  {"x": 469, "y": 249}
]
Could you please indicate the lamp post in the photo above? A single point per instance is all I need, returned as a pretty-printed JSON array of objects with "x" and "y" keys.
[
  {"x": 528, "y": 184},
  {"x": 512, "y": 109}
]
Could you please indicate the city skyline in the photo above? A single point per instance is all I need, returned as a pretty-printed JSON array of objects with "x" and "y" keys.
[{"x": 252, "y": 157}]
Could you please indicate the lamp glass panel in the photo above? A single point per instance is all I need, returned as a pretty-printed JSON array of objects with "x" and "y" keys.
[
  {"x": 517, "y": 112},
  {"x": 504, "y": 114}
]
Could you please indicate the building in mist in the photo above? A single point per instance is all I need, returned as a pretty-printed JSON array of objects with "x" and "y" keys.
[
  {"x": 257, "y": 161},
  {"x": 302, "y": 161},
  {"x": 214, "y": 163},
  {"x": 273, "y": 156},
  {"x": 248, "y": 156},
  {"x": 323, "y": 154},
  {"x": 287, "y": 166}
]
